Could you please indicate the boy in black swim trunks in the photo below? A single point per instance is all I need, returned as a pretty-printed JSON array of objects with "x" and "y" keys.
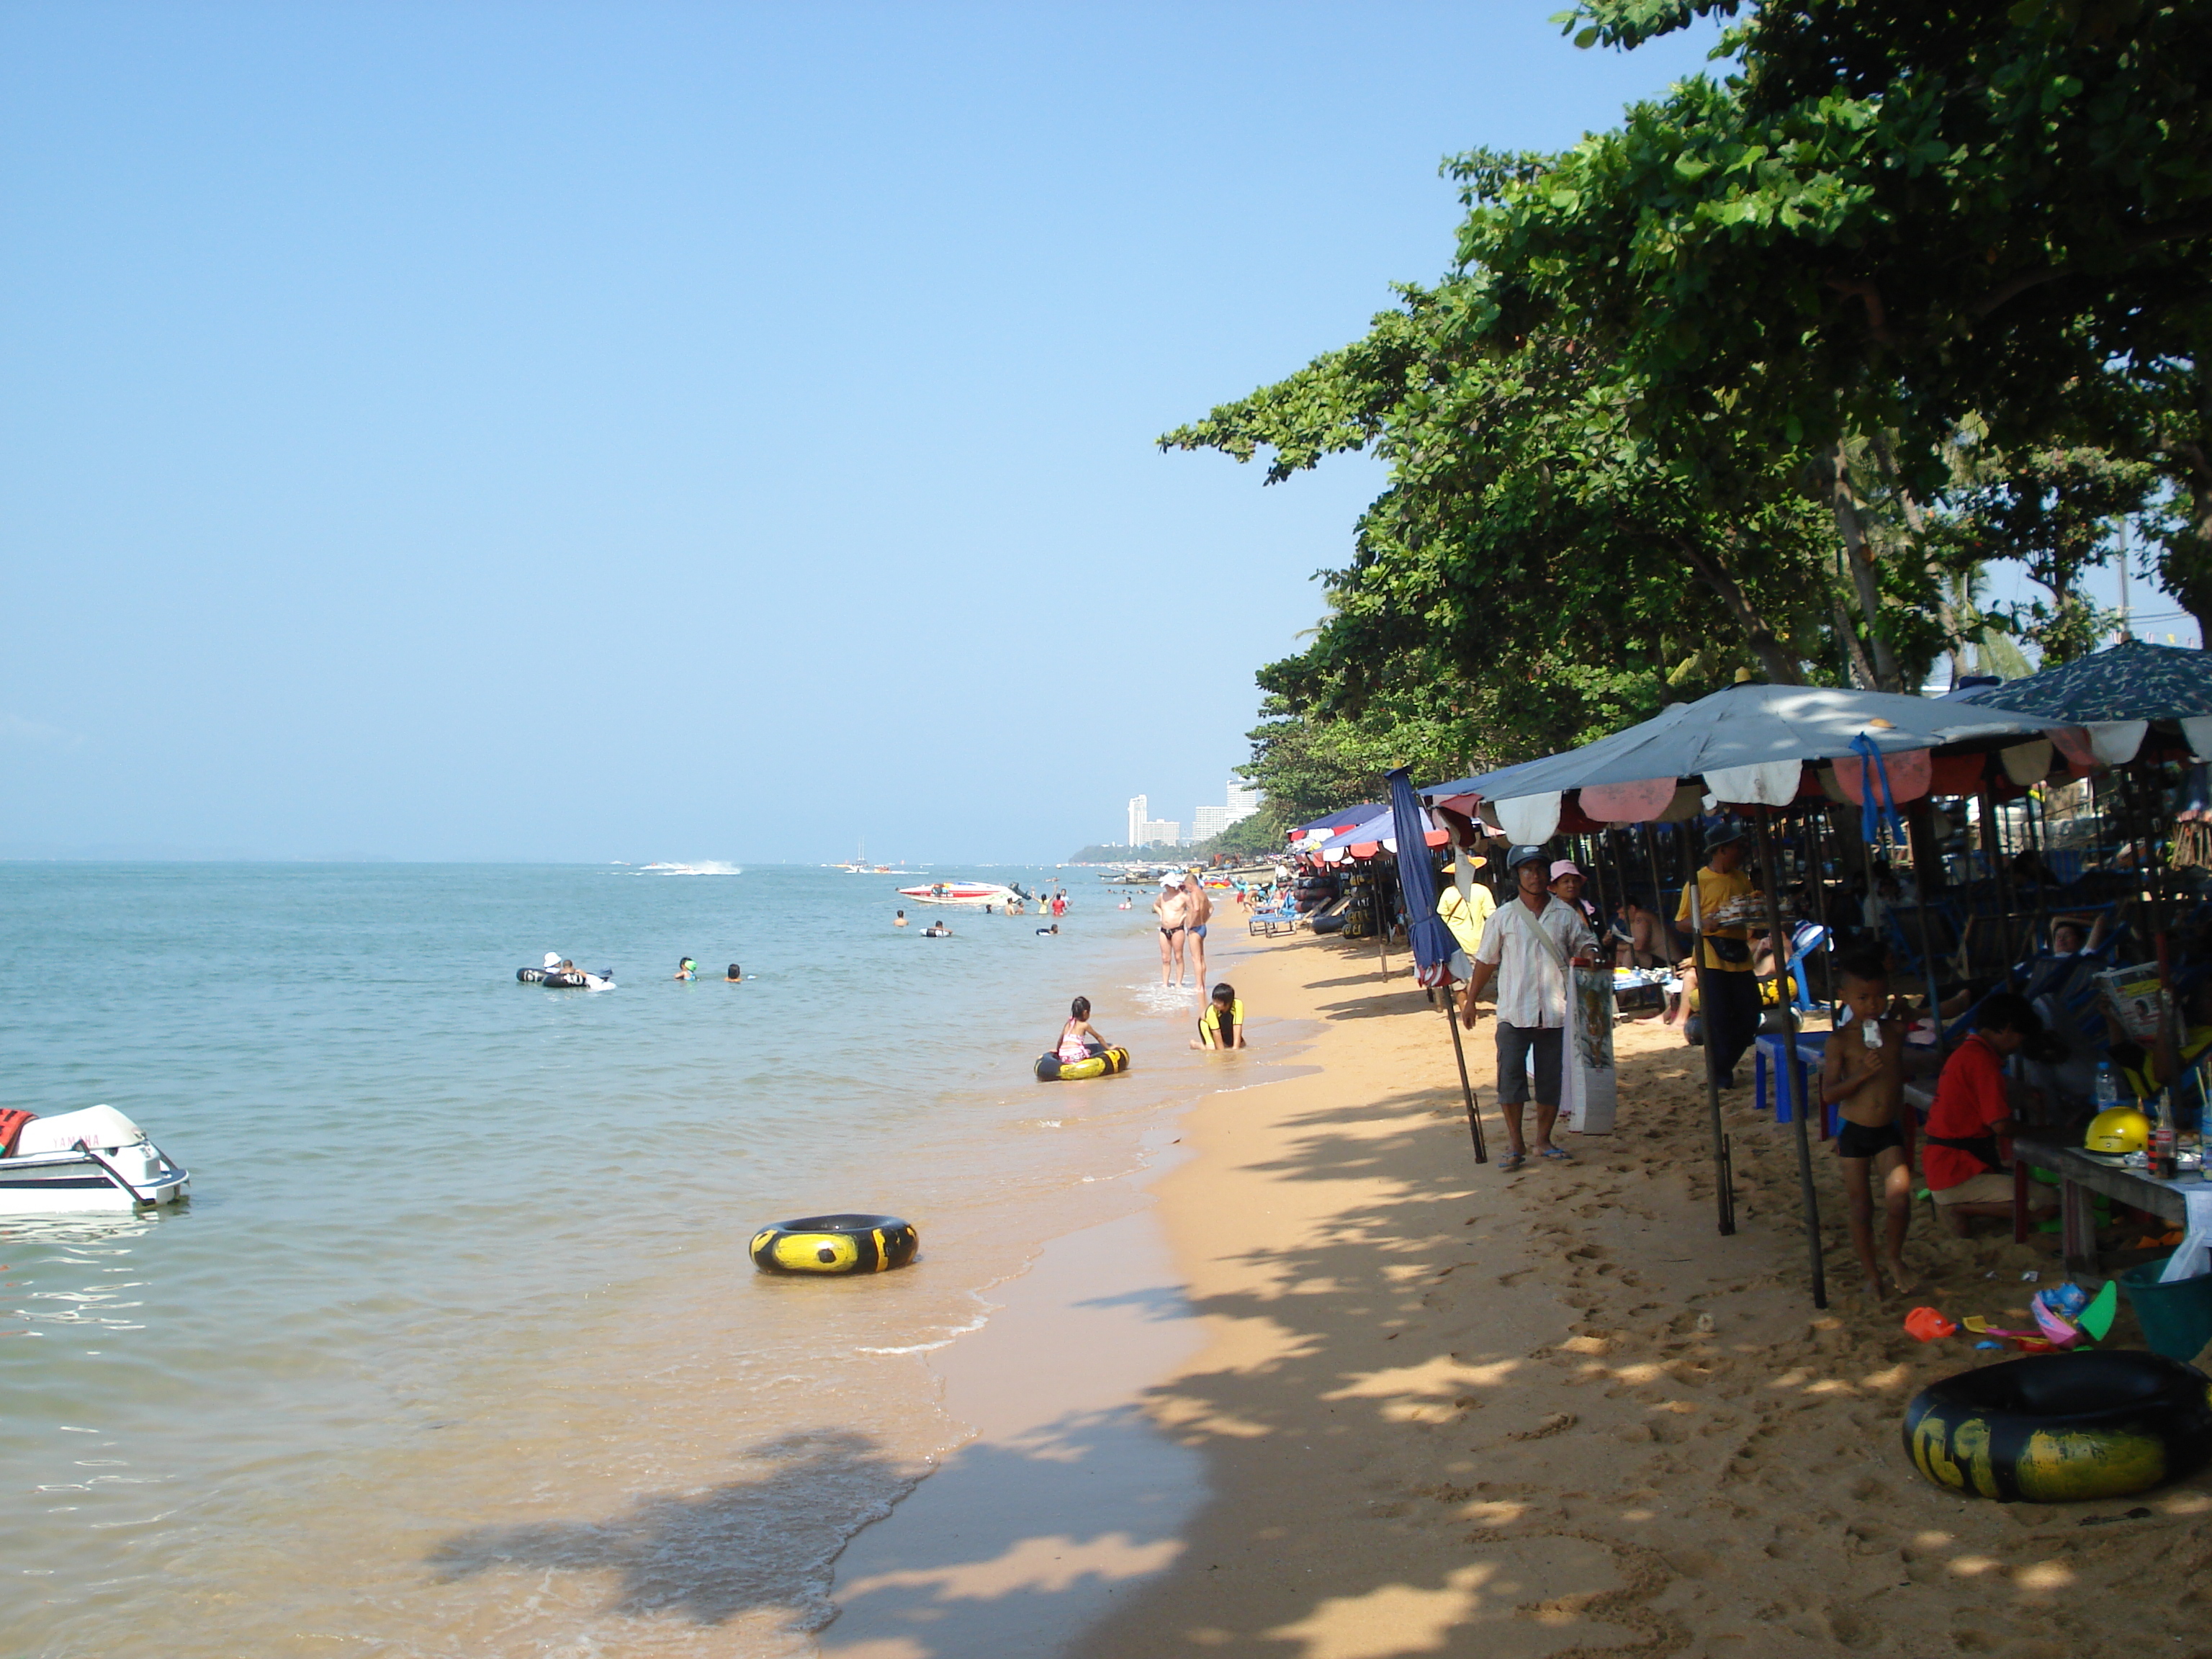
[{"x": 1864, "y": 1068}]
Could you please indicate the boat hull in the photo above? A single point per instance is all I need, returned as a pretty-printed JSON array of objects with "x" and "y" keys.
[
  {"x": 75, "y": 1183},
  {"x": 971, "y": 894}
]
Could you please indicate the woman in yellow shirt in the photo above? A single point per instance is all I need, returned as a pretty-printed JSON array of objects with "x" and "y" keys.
[{"x": 1467, "y": 917}]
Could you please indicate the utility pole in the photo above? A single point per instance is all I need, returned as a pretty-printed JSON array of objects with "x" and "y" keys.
[{"x": 2125, "y": 634}]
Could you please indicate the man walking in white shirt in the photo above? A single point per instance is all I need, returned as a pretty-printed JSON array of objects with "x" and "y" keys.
[{"x": 1528, "y": 946}]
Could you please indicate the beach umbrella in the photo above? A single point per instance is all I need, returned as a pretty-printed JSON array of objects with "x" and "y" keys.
[
  {"x": 1325, "y": 827},
  {"x": 1432, "y": 941},
  {"x": 1748, "y": 741},
  {"x": 2116, "y": 694}
]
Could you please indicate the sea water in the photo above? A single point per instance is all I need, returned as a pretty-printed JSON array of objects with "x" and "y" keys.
[{"x": 456, "y": 1348}]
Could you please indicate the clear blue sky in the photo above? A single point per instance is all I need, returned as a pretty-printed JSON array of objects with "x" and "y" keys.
[{"x": 686, "y": 431}]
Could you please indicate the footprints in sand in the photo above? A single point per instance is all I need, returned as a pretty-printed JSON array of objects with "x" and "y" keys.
[{"x": 1554, "y": 1423}]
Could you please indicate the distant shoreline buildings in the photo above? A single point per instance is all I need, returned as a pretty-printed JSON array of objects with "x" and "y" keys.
[{"x": 1242, "y": 800}]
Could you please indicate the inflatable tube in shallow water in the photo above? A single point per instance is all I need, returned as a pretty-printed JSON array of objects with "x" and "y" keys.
[
  {"x": 2064, "y": 1427},
  {"x": 1049, "y": 1068},
  {"x": 530, "y": 975},
  {"x": 835, "y": 1244}
]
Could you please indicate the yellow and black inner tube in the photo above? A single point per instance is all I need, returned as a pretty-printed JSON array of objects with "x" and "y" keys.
[
  {"x": 2063, "y": 1428},
  {"x": 835, "y": 1244},
  {"x": 1050, "y": 1068}
]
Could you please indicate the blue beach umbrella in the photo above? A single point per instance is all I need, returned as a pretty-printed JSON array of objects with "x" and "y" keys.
[
  {"x": 1425, "y": 931},
  {"x": 1431, "y": 940}
]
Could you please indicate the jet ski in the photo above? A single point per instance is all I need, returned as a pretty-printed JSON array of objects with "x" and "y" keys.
[{"x": 94, "y": 1159}]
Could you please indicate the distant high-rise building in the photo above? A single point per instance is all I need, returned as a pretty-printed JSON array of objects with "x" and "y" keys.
[
  {"x": 1243, "y": 800},
  {"x": 1145, "y": 830}
]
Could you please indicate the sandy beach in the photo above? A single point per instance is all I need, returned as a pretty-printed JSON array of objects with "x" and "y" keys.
[{"x": 1438, "y": 1409}]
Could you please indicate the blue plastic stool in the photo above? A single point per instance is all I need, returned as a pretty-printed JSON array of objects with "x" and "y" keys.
[{"x": 1779, "y": 1050}]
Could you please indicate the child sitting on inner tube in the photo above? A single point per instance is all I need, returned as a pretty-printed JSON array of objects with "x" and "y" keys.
[
  {"x": 1222, "y": 1024},
  {"x": 1078, "y": 1038}
]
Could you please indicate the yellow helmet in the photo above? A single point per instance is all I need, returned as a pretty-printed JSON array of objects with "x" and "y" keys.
[{"x": 2121, "y": 1129}]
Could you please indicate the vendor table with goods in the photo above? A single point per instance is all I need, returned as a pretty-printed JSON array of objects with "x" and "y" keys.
[{"x": 2186, "y": 1201}]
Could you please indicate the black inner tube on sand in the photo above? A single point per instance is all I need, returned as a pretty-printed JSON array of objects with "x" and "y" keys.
[{"x": 2064, "y": 1427}]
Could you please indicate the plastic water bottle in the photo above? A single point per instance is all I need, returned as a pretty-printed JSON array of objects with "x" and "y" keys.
[{"x": 2108, "y": 1086}]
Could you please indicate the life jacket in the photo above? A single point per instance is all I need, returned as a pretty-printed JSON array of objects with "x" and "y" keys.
[
  {"x": 12, "y": 1119},
  {"x": 1210, "y": 1023},
  {"x": 2139, "y": 1076}
]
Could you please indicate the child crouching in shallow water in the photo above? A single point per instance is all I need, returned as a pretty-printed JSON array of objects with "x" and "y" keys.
[
  {"x": 1222, "y": 1024},
  {"x": 1864, "y": 1069}
]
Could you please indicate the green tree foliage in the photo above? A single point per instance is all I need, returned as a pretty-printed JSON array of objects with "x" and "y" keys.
[
  {"x": 1894, "y": 217},
  {"x": 1758, "y": 378},
  {"x": 1531, "y": 577}
]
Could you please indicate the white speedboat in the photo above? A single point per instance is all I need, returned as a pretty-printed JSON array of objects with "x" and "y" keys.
[
  {"x": 94, "y": 1159},
  {"x": 959, "y": 892}
]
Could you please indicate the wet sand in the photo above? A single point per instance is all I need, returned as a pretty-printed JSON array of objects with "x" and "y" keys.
[{"x": 1438, "y": 1409}]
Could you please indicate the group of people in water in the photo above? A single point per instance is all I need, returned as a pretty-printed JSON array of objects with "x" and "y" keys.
[{"x": 687, "y": 969}]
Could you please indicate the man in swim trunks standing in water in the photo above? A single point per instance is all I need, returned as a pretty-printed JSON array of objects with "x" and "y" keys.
[
  {"x": 1198, "y": 910},
  {"x": 1173, "y": 910}
]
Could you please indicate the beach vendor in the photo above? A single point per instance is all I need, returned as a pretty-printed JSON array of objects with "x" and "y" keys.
[
  {"x": 1862, "y": 1067},
  {"x": 1566, "y": 884},
  {"x": 1966, "y": 1175},
  {"x": 1728, "y": 990},
  {"x": 1466, "y": 913},
  {"x": 1528, "y": 948},
  {"x": 1222, "y": 1024}
]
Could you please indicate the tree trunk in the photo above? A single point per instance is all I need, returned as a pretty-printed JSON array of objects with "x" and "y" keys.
[
  {"x": 1948, "y": 611},
  {"x": 1780, "y": 663},
  {"x": 1844, "y": 503},
  {"x": 2185, "y": 565},
  {"x": 1862, "y": 670}
]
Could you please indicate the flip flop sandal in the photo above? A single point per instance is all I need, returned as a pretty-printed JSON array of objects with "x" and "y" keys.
[
  {"x": 1556, "y": 1155},
  {"x": 1511, "y": 1161}
]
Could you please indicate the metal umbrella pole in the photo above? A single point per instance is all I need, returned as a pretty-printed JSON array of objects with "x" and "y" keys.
[
  {"x": 1921, "y": 817},
  {"x": 1466, "y": 1082},
  {"x": 1812, "y": 1198},
  {"x": 1723, "y": 1171}
]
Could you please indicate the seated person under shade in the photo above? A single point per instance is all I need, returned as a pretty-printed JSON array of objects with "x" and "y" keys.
[{"x": 1961, "y": 1163}]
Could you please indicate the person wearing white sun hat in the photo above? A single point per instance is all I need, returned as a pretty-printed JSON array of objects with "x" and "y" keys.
[{"x": 1173, "y": 910}]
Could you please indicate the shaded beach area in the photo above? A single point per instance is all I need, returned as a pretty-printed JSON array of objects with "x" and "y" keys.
[{"x": 1426, "y": 1407}]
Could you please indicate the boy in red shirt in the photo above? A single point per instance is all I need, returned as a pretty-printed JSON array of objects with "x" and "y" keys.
[{"x": 1965, "y": 1176}]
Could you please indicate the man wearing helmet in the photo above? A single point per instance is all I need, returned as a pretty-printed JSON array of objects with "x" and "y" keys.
[{"x": 1528, "y": 946}]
